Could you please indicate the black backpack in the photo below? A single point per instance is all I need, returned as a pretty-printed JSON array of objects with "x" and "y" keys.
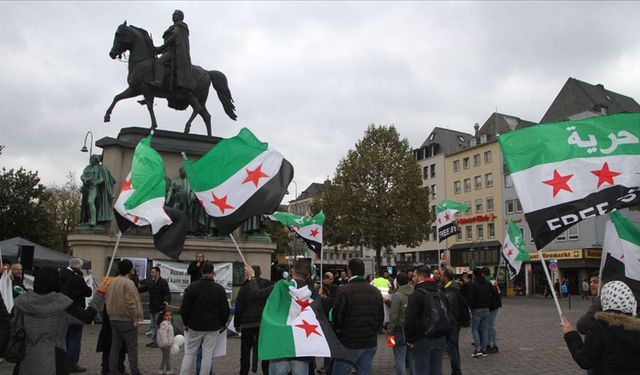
[
  {"x": 463, "y": 315},
  {"x": 437, "y": 320}
]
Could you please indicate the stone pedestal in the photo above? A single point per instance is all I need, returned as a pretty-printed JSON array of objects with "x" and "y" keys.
[{"x": 97, "y": 245}]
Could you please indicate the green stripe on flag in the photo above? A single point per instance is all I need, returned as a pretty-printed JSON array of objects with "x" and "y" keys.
[
  {"x": 553, "y": 142},
  {"x": 627, "y": 229},
  {"x": 147, "y": 174},
  {"x": 224, "y": 160},
  {"x": 290, "y": 219},
  {"x": 276, "y": 337},
  {"x": 451, "y": 205}
]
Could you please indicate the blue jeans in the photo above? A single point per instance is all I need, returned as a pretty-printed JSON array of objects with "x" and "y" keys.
[
  {"x": 154, "y": 326},
  {"x": 427, "y": 356},
  {"x": 402, "y": 353},
  {"x": 454, "y": 350},
  {"x": 480, "y": 328},
  {"x": 492, "y": 338},
  {"x": 283, "y": 366},
  {"x": 74, "y": 338},
  {"x": 362, "y": 358}
]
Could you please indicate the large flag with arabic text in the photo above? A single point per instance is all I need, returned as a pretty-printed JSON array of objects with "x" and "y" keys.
[
  {"x": 513, "y": 250},
  {"x": 294, "y": 325},
  {"x": 238, "y": 178},
  {"x": 141, "y": 201},
  {"x": 445, "y": 218},
  {"x": 308, "y": 229},
  {"x": 621, "y": 252},
  {"x": 565, "y": 172}
]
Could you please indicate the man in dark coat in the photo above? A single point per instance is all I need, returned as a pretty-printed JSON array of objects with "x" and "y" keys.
[
  {"x": 481, "y": 293},
  {"x": 357, "y": 317},
  {"x": 4, "y": 326},
  {"x": 159, "y": 298},
  {"x": 176, "y": 55},
  {"x": 452, "y": 292},
  {"x": 74, "y": 287},
  {"x": 247, "y": 320},
  {"x": 195, "y": 268},
  {"x": 205, "y": 312}
]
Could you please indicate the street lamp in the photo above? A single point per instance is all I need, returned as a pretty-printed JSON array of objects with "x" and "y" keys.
[
  {"x": 84, "y": 146},
  {"x": 296, "y": 191}
]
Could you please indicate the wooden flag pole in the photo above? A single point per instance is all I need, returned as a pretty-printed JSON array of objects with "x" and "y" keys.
[
  {"x": 237, "y": 248},
  {"x": 553, "y": 291},
  {"x": 113, "y": 255}
]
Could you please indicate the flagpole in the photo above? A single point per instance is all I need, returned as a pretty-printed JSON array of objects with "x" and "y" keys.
[
  {"x": 237, "y": 248},
  {"x": 113, "y": 255},
  {"x": 553, "y": 291}
]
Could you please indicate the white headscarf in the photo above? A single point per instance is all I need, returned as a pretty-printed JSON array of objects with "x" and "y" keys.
[{"x": 616, "y": 295}]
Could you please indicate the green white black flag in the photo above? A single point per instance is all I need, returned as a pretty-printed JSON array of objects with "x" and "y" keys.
[
  {"x": 445, "y": 218},
  {"x": 308, "y": 229},
  {"x": 513, "y": 250}
]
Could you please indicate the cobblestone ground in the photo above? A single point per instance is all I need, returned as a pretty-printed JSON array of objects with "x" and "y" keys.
[{"x": 530, "y": 342}]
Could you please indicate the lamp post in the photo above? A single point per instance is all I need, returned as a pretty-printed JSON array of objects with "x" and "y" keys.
[
  {"x": 296, "y": 191},
  {"x": 84, "y": 146}
]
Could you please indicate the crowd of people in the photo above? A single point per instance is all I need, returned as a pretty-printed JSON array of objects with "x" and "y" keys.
[{"x": 421, "y": 311}]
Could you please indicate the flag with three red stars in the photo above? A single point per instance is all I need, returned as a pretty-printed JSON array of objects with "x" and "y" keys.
[
  {"x": 568, "y": 171},
  {"x": 238, "y": 178},
  {"x": 513, "y": 250},
  {"x": 294, "y": 325},
  {"x": 446, "y": 218},
  {"x": 308, "y": 229},
  {"x": 141, "y": 201}
]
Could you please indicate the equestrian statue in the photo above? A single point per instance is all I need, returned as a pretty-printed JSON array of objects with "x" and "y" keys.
[{"x": 171, "y": 76}]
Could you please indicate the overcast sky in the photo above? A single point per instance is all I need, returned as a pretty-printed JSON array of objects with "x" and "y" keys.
[{"x": 307, "y": 77}]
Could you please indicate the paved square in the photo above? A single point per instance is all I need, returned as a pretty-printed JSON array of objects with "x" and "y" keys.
[{"x": 529, "y": 338}]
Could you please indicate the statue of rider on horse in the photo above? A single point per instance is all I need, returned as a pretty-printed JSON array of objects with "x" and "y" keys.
[{"x": 172, "y": 76}]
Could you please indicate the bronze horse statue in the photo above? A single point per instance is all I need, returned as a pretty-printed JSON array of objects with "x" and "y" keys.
[{"x": 142, "y": 57}]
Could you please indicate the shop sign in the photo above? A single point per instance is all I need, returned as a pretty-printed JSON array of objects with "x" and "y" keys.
[
  {"x": 473, "y": 219},
  {"x": 558, "y": 254},
  {"x": 593, "y": 253}
]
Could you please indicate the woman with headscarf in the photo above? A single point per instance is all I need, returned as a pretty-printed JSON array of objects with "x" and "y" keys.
[
  {"x": 45, "y": 314},
  {"x": 611, "y": 345}
]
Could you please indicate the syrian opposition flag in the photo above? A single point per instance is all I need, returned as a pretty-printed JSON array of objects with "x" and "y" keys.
[
  {"x": 6, "y": 287},
  {"x": 568, "y": 171},
  {"x": 141, "y": 201},
  {"x": 294, "y": 325},
  {"x": 445, "y": 218},
  {"x": 621, "y": 252},
  {"x": 308, "y": 229},
  {"x": 239, "y": 178},
  {"x": 513, "y": 250}
]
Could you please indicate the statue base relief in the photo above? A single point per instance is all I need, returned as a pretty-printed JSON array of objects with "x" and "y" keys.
[{"x": 96, "y": 243}]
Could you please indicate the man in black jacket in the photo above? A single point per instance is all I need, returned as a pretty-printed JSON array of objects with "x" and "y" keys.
[
  {"x": 195, "y": 268},
  {"x": 452, "y": 292},
  {"x": 427, "y": 352},
  {"x": 205, "y": 312},
  {"x": 481, "y": 292},
  {"x": 73, "y": 286},
  {"x": 357, "y": 317},
  {"x": 159, "y": 298},
  {"x": 247, "y": 320}
]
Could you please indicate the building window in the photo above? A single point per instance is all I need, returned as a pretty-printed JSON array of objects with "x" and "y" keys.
[
  {"x": 478, "y": 205},
  {"x": 468, "y": 232},
  {"x": 488, "y": 180},
  {"x": 425, "y": 172},
  {"x": 433, "y": 170},
  {"x": 344, "y": 256},
  {"x": 572, "y": 233},
  {"x": 489, "y": 204},
  {"x": 465, "y": 163},
  {"x": 518, "y": 207},
  {"x": 487, "y": 157},
  {"x": 459, "y": 236},
  {"x": 509, "y": 207},
  {"x": 456, "y": 165},
  {"x": 480, "y": 230},
  {"x": 491, "y": 230},
  {"x": 331, "y": 256},
  {"x": 476, "y": 160},
  {"x": 467, "y": 184},
  {"x": 507, "y": 181},
  {"x": 457, "y": 187},
  {"x": 478, "y": 182},
  {"x": 468, "y": 205},
  {"x": 433, "y": 191},
  {"x": 434, "y": 235}
]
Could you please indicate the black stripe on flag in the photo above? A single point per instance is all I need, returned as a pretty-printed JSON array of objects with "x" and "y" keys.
[
  {"x": 614, "y": 270},
  {"x": 512, "y": 271},
  {"x": 315, "y": 246},
  {"x": 264, "y": 201},
  {"x": 547, "y": 223},
  {"x": 448, "y": 230},
  {"x": 335, "y": 346}
]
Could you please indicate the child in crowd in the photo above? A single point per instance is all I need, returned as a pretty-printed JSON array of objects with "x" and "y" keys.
[{"x": 165, "y": 341}]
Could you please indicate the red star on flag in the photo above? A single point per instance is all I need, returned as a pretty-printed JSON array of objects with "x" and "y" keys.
[
  {"x": 439, "y": 221},
  {"x": 509, "y": 252},
  {"x": 221, "y": 203},
  {"x": 135, "y": 218},
  {"x": 446, "y": 216},
  {"x": 303, "y": 303},
  {"x": 314, "y": 232},
  {"x": 605, "y": 175},
  {"x": 255, "y": 175},
  {"x": 308, "y": 328},
  {"x": 559, "y": 182},
  {"x": 126, "y": 185}
]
